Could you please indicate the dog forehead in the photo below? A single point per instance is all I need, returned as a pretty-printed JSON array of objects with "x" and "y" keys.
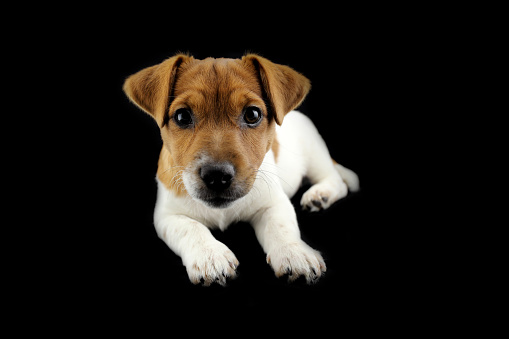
[{"x": 210, "y": 76}]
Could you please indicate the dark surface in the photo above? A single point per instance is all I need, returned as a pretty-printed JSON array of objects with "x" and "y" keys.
[{"x": 359, "y": 71}]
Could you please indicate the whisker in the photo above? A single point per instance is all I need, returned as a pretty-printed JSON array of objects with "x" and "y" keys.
[
  {"x": 171, "y": 168},
  {"x": 256, "y": 188},
  {"x": 176, "y": 183},
  {"x": 276, "y": 175},
  {"x": 269, "y": 163},
  {"x": 262, "y": 176}
]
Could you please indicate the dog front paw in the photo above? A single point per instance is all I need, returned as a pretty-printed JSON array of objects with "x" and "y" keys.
[
  {"x": 212, "y": 263},
  {"x": 297, "y": 259}
]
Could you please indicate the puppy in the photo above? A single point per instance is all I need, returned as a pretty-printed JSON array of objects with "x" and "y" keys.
[{"x": 233, "y": 150}]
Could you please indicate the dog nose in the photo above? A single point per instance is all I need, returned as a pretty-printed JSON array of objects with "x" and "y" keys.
[{"x": 217, "y": 177}]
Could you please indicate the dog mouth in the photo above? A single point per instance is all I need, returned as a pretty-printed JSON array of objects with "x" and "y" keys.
[{"x": 219, "y": 200}]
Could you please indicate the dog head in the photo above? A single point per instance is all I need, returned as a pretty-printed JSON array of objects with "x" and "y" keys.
[{"x": 217, "y": 119}]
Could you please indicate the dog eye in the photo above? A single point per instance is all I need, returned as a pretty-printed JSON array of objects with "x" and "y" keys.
[
  {"x": 183, "y": 117},
  {"x": 252, "y": 115}
]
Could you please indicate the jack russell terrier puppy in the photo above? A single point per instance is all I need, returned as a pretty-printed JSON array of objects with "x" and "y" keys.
[{"x": 233, "y": 150}]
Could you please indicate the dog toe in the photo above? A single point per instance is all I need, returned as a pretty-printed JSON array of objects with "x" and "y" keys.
[{"x": 322, "y": 196}]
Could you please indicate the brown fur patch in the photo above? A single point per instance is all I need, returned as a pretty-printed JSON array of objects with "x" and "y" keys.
[
  {"x": 216, "y": 91},
  {"x": 170, "y": 174}
]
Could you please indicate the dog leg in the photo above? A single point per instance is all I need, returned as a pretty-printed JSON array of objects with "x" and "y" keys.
[
  {"x": 330, "y": 180},
  {"x": 278, "y": 233},
  {"x": 304, "y": 153},
  {"x": 205, "y": 258},
  {"x": 349, "y": 177}
]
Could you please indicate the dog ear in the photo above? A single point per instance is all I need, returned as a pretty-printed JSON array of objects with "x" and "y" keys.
[
  {"x": 151, "y": 88},
  {"x": 284, "y": 88}
]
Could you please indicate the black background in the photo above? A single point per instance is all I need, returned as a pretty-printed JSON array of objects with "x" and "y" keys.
[{"x": 362, "y": 66}]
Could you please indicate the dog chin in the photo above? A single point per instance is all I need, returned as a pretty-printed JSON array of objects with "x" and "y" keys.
[
  {"x": 214, "y": 200},
  {"x": 218, "y": 202}
]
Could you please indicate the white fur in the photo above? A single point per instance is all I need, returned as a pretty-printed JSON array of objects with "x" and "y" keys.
[{"x": 184, "y": 223}]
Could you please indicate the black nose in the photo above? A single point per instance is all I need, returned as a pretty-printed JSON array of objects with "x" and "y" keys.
[{"x": 217, "y": 177}]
